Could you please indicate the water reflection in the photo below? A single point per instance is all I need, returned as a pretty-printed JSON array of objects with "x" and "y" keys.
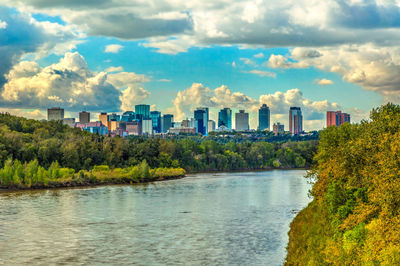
[{"x": 205, "y": 219}]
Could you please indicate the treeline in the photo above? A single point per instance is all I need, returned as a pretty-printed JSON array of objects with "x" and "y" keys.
[
  {"x": 354, "y": 218},
  {"x": 16, "y": 175},
  {"x": 48, "y": 142}
]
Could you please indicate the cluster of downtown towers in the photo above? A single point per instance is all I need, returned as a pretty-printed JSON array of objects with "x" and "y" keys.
[{"x": 143, "y": 121}]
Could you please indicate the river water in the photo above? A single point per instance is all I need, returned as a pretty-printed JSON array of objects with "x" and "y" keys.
[{"x": 204, "y": 219}]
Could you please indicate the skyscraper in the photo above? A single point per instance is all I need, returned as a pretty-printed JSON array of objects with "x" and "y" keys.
[
  {"x": 336, "y": 118},
  {"x": 143, "y": 110},
  {"x": 295, "y": 120},
  {"x": 156, "y": 118},
  {"x": 84, "y": 117},
  {"x": 55, "y": 113},
  {"x": 241, "y": 121},
  {"x": 225, "y": 118},
  {"x": 103, "y": 118},
  {"x": 264, "y": 117},
  {"x": 166, "y": 122},
  {"x": 128, "y": 116},
  {"x": 201, "y": 120}
]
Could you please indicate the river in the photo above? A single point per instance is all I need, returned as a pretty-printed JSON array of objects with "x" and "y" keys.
[{"x": 203, "y": 219}]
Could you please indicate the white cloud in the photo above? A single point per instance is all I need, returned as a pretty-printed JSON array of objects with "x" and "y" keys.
[
  {"x": 279, "y": 102},
  {"x": 125, "y": 79},
  {"x": 68, "y": 83},
  {"x": 233, "y": 64},
  {"x": 132, "y": 96},
  {"x": 323, "y": 82},
  {"x": 3, "y": 24},
  {"x": 259, "y": 55},
  {"x": 113, "y": 48},
  {"x": 261, "y": 73},
  {"x": 247, "y": 61},
  {"x": 115, "y": 69},
  {"x": 170, "y": 45},
  {"x": 164, "y": 80}
]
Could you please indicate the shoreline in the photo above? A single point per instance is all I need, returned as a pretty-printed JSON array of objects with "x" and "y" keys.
[{"x": 73, "y": 185}]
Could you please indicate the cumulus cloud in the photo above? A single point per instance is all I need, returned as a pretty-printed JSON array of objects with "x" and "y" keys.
[
  {"x": 323, "y": 82},
  {"x": 113, "y": 48},
  {"x": 259, "y": 55},
  {"x": 279, "y": 102},
  {"x": 132, "y": 96},
  {"x": 20, "y": 34},
  {"x": 279, "y": 61},
  {"x": 126, "y": 79},
  {"x": 68, "y": 83},
  {"x": 247, "y": 61}
]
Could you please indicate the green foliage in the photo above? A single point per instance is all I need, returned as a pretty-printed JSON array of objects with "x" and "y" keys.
[{"x": 356, "y": 196}]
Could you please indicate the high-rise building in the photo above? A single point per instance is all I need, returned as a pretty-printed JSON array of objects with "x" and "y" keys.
[
  {"x": 128, "y": 116},
  {"x": 114, "y": 117},
  {"x": 147, "y": 126},
  {"x": 336, "y": 118},
  {"x": 185, "y": 122},
  {"x": 103, "y": 118},
  {"x": 264, "y": 117},
  {"x": 278, "y": 129},
  {"x": 132, "y": 128},
  {"x": 55, "y": 113},
  {"x": 113, "y": 125},
  {"x": 166, "y": 122},
  {"x": 201, "y": 120},
  {"x": 225, "y": 118},
  {"x": 143, "y": 110},
  {"x": 241, "y": 121},
  {"x": 156, "y": 120},
  {"x": 211, "y": 126},
  {"x": 84, "y": 117},
  {"x": 295, "y": 120}
]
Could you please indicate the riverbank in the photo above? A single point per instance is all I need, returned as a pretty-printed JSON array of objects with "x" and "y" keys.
[{"x": 17, "y": 176}]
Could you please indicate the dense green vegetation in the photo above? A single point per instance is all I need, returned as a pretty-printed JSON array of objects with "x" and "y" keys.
[
  {"x": 48, "y": 142},
  {"x": 14, "y": 174},
  {"x": 354, "y": 218}
]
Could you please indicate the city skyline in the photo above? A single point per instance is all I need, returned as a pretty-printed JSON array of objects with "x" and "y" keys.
[{"x": 176, "y": 60}]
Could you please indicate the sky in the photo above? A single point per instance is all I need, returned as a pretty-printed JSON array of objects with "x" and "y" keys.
[{"x": 176, "y": 55}]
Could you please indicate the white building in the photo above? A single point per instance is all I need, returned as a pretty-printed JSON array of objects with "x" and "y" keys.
[{"x": 147, "y": 126}]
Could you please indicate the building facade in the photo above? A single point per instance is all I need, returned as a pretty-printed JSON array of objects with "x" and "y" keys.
[
  {"x": 143, "y": 110},
  {"x": 211, "y": 126},
  {"x": 167, "y": 122},
  {"x": 279, "y": 129},
  {"x": 264, "y": 117},
  {"x": 201, "y": 120},
  {"x": 336, "y": 118},
  {"x": 103, "y": 118},
  {"x": 147, "y": 126},
  {"x": 295, "y": 120},
  {"x": 241, "y": 121},
  {"x": 183, "y": 130},
  {"x": 55, "y": 113},
  {"x": 84, "y": 117},
  {"x": 156, "y": 121},
  {"x": 225, "y": 118}
]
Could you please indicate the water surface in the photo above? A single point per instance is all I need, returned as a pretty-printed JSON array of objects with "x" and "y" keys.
[{"x": 204, "y": 219}]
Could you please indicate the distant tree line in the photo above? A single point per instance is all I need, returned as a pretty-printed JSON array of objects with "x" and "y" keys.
[{"x": 29, "y": 140}]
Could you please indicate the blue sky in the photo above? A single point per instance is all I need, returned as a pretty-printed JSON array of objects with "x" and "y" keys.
[{"x": 176, "y": 57}]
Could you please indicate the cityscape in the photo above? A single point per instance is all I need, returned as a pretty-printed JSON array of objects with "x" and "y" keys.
[{"x": 143, "y": 121}]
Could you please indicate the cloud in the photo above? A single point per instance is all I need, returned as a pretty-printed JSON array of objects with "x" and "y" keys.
[
  {"x": 132, "y": 96},
  {"x": 247, "y": 61},
  {"x": 170, "y": 45},
  {"x": 20, "y": 34},
  {"x": 323, "y": 82},
  {"x": 279, "y": 102},
  {"x": 233, "y": 64},
  {"x": 259, "y": 55},
  {"x": 115, "y": 69},
  {"x": 68, "y": 83},
  {"x": 164, "y": 80},
  {"x": 126, "y": 79},
  {"x": 279, "y": 61},
  {"x": 3, "y": 24},
  {"x": 113, "y": 48},
  {"x": 261, "y": 73}
]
